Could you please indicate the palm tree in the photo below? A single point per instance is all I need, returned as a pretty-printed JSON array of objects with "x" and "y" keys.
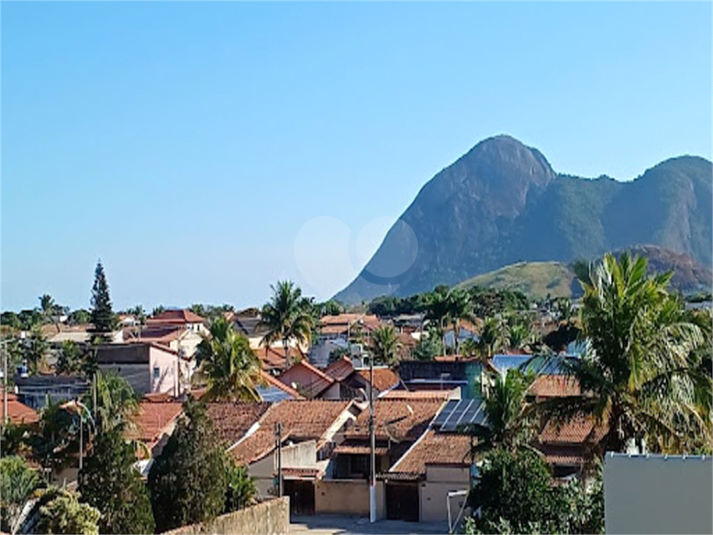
[
  {"x": 49, "y": 309},
  {"x": 117, "y": 403},
  {"x": 470, "y": 348},
  {"x": 641, "y": 379},
  {"x": 509, "y": 423},
  {"x": 17, "y": 481},
  {"x": 232, "y": 368},
  {"x": 287, "y": 316},
  {"x": 385, "y": 344},
  {"x": 436, "y": 307},
  {"x": 492, "y": 337},
  {"x": 519, "y": 334},
  {"x": 460, "y": 307}
]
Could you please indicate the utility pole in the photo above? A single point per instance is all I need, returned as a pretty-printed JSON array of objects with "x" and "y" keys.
[
  {"x": 372, "y": 444},
  {"x": 278, "y": 439}
]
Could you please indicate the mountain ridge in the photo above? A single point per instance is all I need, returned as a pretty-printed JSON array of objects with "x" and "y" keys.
[{"x": 501, "y": 202}]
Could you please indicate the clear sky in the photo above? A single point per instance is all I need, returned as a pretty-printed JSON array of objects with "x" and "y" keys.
[{"x": 205, "y": 150}]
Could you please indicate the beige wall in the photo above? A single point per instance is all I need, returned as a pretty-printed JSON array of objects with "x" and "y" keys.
[
  {"x": 440, "y": 480},
  {"x": 301, "y": 455},
  {"x": 268, "y": 518},
  {"x": 655, "y": 494},
  {"x": 347, "y": 497}
]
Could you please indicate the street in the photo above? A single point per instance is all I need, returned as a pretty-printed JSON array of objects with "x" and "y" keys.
[{"x": 337, "y": 524}]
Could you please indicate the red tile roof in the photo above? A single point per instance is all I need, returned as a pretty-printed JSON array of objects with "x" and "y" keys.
[
  {"x": 301, "y": 420},
  {"x": 340, "y": 369},
  {"x": 421, "y": 394},
  {"x": 160, "y": 334},
  {"x": 546, "y": 386},
  {"x": 233, "y": 420},
  {"x": 575, "y": 431},
  {"x": 153, "y": 419},
  {"x": 176, "y": 316},
  {"x": 19, "y": 413},
  {"x": 359, "y": 449},
  {"x": 384, "y": 378},
  {"x": 435, "y": 448},
  {"x": 274, "y": 358},
  {"x": 316, "y": 383},
  {"x": 396, "y": 419}
]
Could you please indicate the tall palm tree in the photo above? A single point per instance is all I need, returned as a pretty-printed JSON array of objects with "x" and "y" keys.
[
  {"x": 492, "y": 337},
  {"x": 460, "y": 307},
  {"x": 519, "y": 335},
  {"x": 49, "y": 309},
  {"x": 436, "y": 306},
  {"x": 509, "y": 422},
  {"x": 385, "y": 344},
  {"x": 116, "y": 402},
  {"x": 232, "y": 368},
  {"x": 641, "y": 378},
  {"x": 287, "y": 316}
]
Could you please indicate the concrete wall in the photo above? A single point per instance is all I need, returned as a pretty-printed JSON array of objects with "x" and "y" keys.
[
  {"x": 440, "y": 480},
  {"x": 301, "y": 455},
  {"x": 137, "y": 375},
  {"x": 347, "y": 497},
  {"x": 267, "y": 518},
  {"x": 657, "y": 494}
]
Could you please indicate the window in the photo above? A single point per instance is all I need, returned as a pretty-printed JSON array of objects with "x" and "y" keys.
[{"x": 156, "y": 372}]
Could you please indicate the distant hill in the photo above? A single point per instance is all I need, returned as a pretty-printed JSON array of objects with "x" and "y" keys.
[
  {"x": 502, "y": 203},
  {"x": 539, "y": 279}
]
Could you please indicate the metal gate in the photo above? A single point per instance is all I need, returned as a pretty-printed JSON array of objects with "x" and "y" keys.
[
  {"x": 301, "y": 495},
  {"x": 402, "y": 502}
]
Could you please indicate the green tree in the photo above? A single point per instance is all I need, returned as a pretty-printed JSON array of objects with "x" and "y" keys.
[
  {"x": 50, "y": 309},
  {"x": 232, "y": 368},
  {"x": 17, "y": 483},
  {"x": 240, "y": 490},
  {"x": 492, "y": 337},
  {"x": 519, "y": 332},
  {"x": 510, "y": 423},
  {"x": 385, "y": 344},
  {"x": 65, "y": 514},
  {"x": 79, "y": 317},
  {"x": 287, "y": 316},
  {"x": 117, "y": 402},
  {"x": 642, "y": 380},
  {"x": 70, "y": 360},
  {"x": 110, "y": 483},
  {"x": 34, "y": 348},
  {"x": 188, "y": 480},
  {"x": 436, "y": 309},
  {"x": 429, "y": 346},
  {"x": 459, "y": 308},
  {"x": 102, "y": 314}
]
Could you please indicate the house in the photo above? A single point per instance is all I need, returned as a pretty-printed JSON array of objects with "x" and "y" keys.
[
  {"x": 148, "y": 367},
  {"x": 273, "y": 358},
  {"x": 417, "y": 487},
  {"x": 182, "y": 318},
  {"x": 442, "y": 374},
  {"x": 397, "y": 424},
  {"x": 569, "y": 447},
  {"x": 273, "y": 390},
  {"x": 35, "y": 390},
  {"x": 347, "y": 326},
  {"x": 17, "y": 412},
  {"x": 310, "y": 381},
  {"x": 309, "y": 433},
  {"x": 176, "y": 337}
]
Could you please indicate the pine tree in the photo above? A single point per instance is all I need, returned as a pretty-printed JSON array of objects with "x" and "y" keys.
[
  {"x": 102, "y": 314},
  {"x": 110, "y": 483}
]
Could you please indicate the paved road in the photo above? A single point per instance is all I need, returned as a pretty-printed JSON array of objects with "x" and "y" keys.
[{"x": 348, "y": 525}]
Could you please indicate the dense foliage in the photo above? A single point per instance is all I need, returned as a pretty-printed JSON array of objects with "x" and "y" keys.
[
  {"x": 63, "y": 513},
  {"x": 187, "y": 480},
  {"x": 17, "y": 483},
  {"x": 240, "y": 489},
  {"x": 110, "y": 483}
]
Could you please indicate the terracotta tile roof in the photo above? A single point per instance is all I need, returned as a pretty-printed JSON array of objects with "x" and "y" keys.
[
  {"x": 384, "y": 378},
  {"x": 454, "y": 358},
  {"x": 301, "y": 472},
  {"x": 406, "y": 419},
  {"x": 575, "y": 431},
  {"x": 347, "y": 322},
  {"x": 340, "y": 369},
  {"x": 421, "y": 394},
  {"x": 546, "y": 386},
  {"x": 315, "y": 382},
  {"x": 563, "y": 455},
  {"x": 435, "y": 448},
  {"x": 161, "y": 334},
  {"x": 176, "y": 316},
  {"x": 153, "y": 418},
  {"x": 18, "y": 412},
  {"x": 407, "y": 340},
  {"x": 301, "y": 420},
  {"x": 233, "y": 420},
  {"x": 272, "y": 381},
  {"x": 273, "y": 358}
]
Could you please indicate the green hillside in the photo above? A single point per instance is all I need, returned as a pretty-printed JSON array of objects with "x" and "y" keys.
[{"x": 536, "y": 279}]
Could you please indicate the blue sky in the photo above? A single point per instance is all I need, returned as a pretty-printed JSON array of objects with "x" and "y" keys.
[{"x": 205, "y": 150}]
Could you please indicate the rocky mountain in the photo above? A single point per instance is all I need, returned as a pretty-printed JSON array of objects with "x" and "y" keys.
[
  {"x": 557, "y": 279},
  {"x": 502, "y": 203}
]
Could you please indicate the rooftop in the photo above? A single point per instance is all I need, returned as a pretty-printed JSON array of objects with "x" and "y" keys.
[
  {"x": 384, "y": 378},
  {"x": 176, "y": 316},
  {"x": 396, "y": 419},
  {"x": 233, "y": 420},
  {"x": 155, "y": 414},
  {"x": 434, "y": 448},
  {"x": 340, "y": 369},
  {"x": 307, "y": 378},
  {"x": 18, "y": 412}
]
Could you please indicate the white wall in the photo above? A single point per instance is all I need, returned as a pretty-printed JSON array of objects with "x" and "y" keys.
[{"x": 657, "y": 494}]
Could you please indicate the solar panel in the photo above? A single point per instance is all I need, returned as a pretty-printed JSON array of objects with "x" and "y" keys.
[{"x": 445, "y": 412}]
